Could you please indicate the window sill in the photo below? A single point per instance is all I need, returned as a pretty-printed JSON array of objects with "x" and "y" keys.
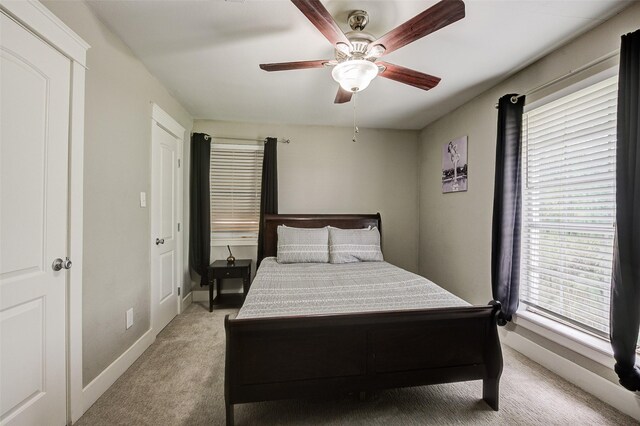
[
  {"x": 234, "y": 242},
  {"x": 585, "y": 344}
]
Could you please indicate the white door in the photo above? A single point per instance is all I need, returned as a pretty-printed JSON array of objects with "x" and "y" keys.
[
  {"x": 34, "y": 139},
  {"x": 164, "y": 226}
]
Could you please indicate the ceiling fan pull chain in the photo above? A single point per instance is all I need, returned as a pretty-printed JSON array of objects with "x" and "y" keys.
[{"x": 355, "y": 128}]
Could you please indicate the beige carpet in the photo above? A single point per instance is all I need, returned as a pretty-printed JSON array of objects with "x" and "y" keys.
[{"x": 179, "y": 381}]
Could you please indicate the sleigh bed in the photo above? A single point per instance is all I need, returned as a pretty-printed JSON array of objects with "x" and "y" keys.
[{"x": 284, "y": 344}]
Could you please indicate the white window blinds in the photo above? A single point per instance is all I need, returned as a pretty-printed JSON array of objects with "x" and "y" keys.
[
  {"x": 235, "y": 179},
  {"x": 568, "y": 213}
]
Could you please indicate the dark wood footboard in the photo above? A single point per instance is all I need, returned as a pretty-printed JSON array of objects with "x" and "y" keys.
[{"x": 294, "y": 357}]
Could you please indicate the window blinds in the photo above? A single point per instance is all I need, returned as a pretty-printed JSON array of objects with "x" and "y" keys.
[
  {"x": 569, "y": 206},
  {"x": 235, "y": 178}
]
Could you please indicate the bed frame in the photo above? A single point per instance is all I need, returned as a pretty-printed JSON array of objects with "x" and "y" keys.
[{"x": 318, "y": 355}]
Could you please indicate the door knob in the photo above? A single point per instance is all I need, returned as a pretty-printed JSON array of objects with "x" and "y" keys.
[
  {"x": 159, "y": 241},
  {"x": 60, "y": 264}
]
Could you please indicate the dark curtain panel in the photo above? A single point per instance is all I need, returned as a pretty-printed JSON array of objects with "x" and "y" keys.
[
  {"x": 507, "y": 197},
  {"x": 269, "y": 192},
  {"x": 199, "y": 207},
  {"x": 625, "y": 282}
]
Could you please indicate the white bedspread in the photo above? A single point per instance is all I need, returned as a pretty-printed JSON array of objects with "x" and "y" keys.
[{"x": 280, "y": 290}]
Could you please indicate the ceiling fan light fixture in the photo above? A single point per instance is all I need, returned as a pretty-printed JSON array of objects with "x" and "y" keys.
[{"x": 354, "y": 75}]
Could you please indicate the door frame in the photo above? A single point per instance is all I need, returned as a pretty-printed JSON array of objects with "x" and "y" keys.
[
  {"x": 161, "y": 118},
  {"x": 39, "y": 20}
]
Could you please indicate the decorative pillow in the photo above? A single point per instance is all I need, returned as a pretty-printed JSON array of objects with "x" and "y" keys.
[
  {"x": 303, "y": 245},
  {"x": 354, "y": 245}
]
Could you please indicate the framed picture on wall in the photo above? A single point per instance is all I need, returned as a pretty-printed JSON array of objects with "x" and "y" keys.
[{"x": 454, "y": 165}]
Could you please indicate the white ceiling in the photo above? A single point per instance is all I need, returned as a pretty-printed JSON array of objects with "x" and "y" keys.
[{"x": 207, "y": 54}]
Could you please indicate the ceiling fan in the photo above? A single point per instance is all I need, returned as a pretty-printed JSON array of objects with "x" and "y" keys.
[{"x": 356, "y": 61}]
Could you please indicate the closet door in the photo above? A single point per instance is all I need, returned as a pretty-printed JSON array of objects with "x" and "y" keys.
[
  {"x": 34, "y": 142},
  {"x": 164, "y": 226}
]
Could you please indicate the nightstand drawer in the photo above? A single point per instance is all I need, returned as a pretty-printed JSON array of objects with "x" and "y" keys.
[{"x": 221, "y": 273}]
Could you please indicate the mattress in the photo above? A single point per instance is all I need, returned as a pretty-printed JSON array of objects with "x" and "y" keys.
[{"x": 281, "y": 290}]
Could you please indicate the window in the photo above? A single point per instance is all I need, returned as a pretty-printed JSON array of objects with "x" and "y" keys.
[
  {"x": 235, "y": 179},
  {"x": 568, "y": 210}
]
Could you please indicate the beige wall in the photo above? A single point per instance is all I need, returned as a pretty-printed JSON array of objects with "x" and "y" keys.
[
  {"x": 455, "y": 229},
  {"x": 119, "y": 92},
  {"x": 323, "y": 171}
]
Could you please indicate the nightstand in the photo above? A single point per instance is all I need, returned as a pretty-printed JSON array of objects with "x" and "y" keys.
[{"x": 221, "y": 270}]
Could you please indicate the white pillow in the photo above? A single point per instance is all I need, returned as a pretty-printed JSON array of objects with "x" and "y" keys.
[
  {"x": 303, "y": 245},
  {"x": 354, "y": 245}
]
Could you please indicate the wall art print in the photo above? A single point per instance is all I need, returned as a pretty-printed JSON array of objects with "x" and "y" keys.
[{"x": 454, "y": 165}]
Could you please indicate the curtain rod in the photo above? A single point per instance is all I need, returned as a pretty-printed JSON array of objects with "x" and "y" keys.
[
  {"x": 207, "y": 137},
  {"x": 585, "y": 67}
]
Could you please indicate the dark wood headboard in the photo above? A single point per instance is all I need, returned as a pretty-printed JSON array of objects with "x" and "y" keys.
[{"x": 344, "y": 221}]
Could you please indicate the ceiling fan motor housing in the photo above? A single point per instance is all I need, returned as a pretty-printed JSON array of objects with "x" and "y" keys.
[{"x": 360, "y": 42}]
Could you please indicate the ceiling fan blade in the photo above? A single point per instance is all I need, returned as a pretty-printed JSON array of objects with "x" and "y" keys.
[
  {"x": 322, "y": 19},
  {"x": 342, "y": 96},
  {"x": 438, "y": 16},
  {"x": 299, "y": 65},
  {"x": 408, "y": 76}
]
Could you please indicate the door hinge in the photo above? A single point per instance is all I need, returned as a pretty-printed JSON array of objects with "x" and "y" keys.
[
  {"x": 178, "y": 291},
  {"x": 178, "y": 162},
  {"x": 178, "y": 226}
]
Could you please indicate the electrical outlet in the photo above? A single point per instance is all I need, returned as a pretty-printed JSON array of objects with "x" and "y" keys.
[
  {"x": 129, "y": 318},
  {"x": 143, "y": 199}
]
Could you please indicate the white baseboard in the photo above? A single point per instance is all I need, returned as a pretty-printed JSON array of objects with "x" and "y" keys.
[
  {"x": 186, "y": 301},
  {"x": 100, "y": 384},
  {"x": 611, "y": 393}
]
